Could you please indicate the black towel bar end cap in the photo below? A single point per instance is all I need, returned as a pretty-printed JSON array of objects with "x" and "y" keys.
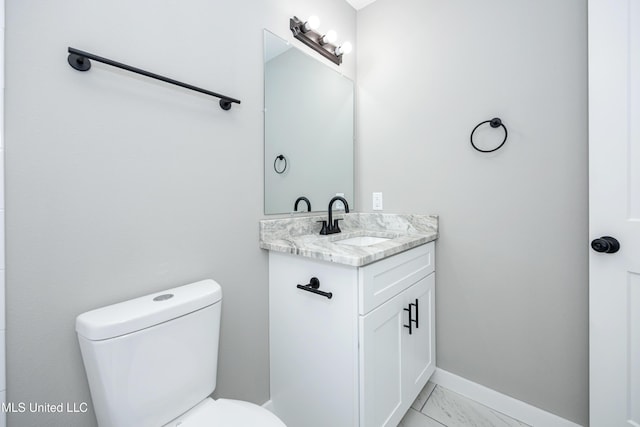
[
  {"x": 78, "y": 62},
  {"x": 225, "y": 104}
]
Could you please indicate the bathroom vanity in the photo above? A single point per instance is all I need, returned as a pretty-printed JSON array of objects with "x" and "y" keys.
[{"x": 352, "y": 320}]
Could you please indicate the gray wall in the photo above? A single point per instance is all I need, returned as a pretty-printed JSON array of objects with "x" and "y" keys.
[
  {"x": 512, "y": 257},
  {"x": 117, "y": 186}
]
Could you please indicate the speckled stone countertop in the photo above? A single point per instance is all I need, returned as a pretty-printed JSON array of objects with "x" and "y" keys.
[{"x": 301, "y": 236}]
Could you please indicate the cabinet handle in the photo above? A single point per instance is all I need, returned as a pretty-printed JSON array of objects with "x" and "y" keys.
[
  {"x": 409, "y": 325},
  {"x": 313, "y": 286},
  {"x": 411, "y": 319},
  {"x": 417, "y": 312}
]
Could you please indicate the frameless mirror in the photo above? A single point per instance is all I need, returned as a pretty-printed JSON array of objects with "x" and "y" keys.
[{"x": 308, "y": 135}]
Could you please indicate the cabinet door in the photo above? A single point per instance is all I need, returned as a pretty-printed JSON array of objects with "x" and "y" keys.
[
  {"x": 395, "y": 364},
  {"x": 419, "y": 355},
  {"x": 381, "y": 346}
]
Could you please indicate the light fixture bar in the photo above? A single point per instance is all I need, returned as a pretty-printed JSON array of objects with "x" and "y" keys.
[{"x": 313, "y": 39}]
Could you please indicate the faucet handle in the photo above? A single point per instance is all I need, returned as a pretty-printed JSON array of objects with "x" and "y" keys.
[
  {"x": 336, "y": 226},
  {"x": 324, "y": 227}
]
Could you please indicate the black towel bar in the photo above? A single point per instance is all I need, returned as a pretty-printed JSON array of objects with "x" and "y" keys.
[
  {"x": 79, "y": 60},
  {"x": 313, "y": 286}
]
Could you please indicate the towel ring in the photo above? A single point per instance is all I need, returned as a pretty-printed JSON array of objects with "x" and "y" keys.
[
  {"x": 280, "y": 157},
  {"x": 494, "y": 123}
]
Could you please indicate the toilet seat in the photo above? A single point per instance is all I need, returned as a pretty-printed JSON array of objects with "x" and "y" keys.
[{"x": 226, "y": 413}]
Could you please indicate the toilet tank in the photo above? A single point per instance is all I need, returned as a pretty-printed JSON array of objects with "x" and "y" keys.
[{"x": 150, "y": 359}]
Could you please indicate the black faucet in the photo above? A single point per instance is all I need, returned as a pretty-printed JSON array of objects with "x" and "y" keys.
[
  {"x": 331, "y": 226},
  {"x": 303, "y": 199}
]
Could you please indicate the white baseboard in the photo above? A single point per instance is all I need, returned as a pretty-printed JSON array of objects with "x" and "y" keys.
[
  {"x": 268, "y": 405},
  {"x": 500, "y": 402}
]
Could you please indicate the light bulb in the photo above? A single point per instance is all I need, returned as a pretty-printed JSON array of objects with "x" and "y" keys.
[
  {"x": 312, "y": 23},
  {"x": 330, "y": 37},
  {"x": 345, "y": 48}
]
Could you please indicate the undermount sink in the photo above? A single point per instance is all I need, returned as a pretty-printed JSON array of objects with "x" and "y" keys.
[{"x": 363, "y": 241}]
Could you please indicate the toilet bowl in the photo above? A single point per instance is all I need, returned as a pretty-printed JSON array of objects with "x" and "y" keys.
[{"x": 152, "y": 361}]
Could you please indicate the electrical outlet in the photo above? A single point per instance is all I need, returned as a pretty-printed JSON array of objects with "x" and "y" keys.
[{"x": 377, "y": 201}]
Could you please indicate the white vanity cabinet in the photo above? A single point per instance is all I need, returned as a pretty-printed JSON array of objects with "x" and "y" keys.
[{"x": 350, "y": 360}]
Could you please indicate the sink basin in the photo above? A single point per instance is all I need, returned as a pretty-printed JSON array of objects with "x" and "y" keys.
[{"x": 363, "y": 241}]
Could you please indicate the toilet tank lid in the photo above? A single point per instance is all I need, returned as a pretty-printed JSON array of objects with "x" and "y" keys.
[{"x": 143, "y": 312}]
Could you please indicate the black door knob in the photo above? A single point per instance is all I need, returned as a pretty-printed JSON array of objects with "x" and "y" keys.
[{"x": 606, "y": 244}]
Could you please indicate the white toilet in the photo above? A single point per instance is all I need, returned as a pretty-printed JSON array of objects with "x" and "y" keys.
[{"x": 152, "y": 362}]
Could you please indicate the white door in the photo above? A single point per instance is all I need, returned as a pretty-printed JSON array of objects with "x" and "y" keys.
[{"x": 614, "y": 203}]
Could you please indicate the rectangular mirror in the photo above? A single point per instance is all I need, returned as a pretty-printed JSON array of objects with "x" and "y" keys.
[{"x": 309, "y": 130}]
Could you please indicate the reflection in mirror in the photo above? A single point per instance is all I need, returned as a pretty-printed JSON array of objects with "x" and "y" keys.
[{"x": 308, "y": 130}]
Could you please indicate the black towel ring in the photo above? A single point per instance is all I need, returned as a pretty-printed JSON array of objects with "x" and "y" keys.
[
  {"x": 280, "y": 157},
  {"x": 494, "y": 123}
]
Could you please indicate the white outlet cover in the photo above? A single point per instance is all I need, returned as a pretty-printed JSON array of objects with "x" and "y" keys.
[{"x": 377, "y": 201}]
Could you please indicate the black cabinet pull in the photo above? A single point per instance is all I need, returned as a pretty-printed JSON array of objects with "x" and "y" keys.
[
  {"x": 313, "y": 286},
  {"x": 411, "y": 319},
  {"x": 417, "y": 312}
]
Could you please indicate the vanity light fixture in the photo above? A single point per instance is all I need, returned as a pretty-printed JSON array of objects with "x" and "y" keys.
[
  {"x": 330, "y": 37},
  {"x": 311, "y": 24},
  {"x": 344, "y": 49},
  {"x": 321, "y": 43}
]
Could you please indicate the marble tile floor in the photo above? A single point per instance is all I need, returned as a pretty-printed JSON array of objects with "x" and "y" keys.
[{"x": 437, "y": 407}]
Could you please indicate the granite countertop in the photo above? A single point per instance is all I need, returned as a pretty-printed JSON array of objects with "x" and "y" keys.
[{"x": 301, "y": 236}]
